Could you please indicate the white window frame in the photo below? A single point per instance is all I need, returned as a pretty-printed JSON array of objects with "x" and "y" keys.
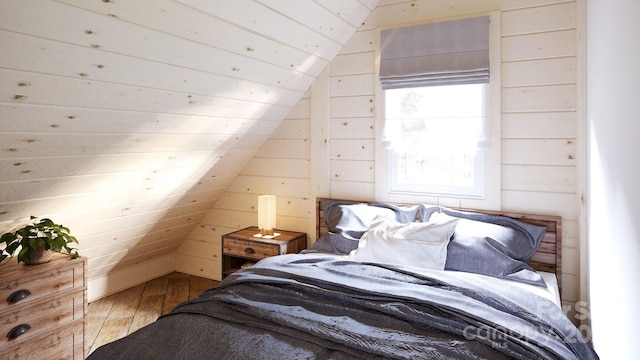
[{"x": 491, "y": 194}]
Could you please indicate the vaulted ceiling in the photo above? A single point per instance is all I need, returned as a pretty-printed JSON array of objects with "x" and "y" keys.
[{"x": 128, "y": 118}]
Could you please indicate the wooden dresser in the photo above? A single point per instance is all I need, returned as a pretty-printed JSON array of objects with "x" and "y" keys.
[{"x": 45, "y": 306}]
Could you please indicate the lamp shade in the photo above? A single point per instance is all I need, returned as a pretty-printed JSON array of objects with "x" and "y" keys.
[{"x": 266, "y": 214}]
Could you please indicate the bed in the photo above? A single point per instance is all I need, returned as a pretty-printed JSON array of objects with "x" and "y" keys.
[{"x": 383, "y": 281}]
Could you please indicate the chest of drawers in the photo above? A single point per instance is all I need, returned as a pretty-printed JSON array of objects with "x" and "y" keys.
[{"x": 42, "y": 309}]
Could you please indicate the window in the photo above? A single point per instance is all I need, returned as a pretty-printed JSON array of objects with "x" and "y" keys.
[
  {"x": 439, "y": 131},
  {"x": 434, "y": 136}
]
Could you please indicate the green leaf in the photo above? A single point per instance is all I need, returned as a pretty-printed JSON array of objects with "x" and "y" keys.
[
  {"x": 11, "y": 248},
  {"x": 24, "y": 254},
  {"x": 8, "y": 238},
  {"x": 34, "y": 243},
  {"x": 47, "y": 222}
]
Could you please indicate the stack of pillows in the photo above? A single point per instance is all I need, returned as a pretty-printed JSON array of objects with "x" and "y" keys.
[{"x": 431, "y": 237}]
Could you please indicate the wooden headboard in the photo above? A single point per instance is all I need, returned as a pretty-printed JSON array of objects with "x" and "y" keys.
[{"x": 548, "y": 258}]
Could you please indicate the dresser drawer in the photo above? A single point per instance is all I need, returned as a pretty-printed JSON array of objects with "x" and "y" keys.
[
  {"x": 40, "y": 317},
  {"x": 39, "y": 284},
  {"x": 66, "y": 343},
  {"x": 250, "y": 249},
  {"x": 52, "y": 314}
]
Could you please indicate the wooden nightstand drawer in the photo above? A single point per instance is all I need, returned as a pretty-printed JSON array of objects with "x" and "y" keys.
[
  {"x": 241, "y": 248},
  {"x": 250, "y": 249}
]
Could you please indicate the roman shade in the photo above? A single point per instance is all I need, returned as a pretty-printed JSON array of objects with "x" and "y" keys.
[{"x": 445, "y": 53}]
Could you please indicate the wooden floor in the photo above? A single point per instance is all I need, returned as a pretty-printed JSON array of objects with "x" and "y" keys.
[{"x": 117, "y": 315}]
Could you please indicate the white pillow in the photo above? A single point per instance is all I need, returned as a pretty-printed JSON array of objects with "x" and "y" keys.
[{"x": 413, "y": 244}]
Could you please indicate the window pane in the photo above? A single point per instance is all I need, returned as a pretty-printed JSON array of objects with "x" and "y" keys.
[
  {"x": 435, "y": 169},
  {"x": 435, "y": 117},
  {"x": 435, "y": 134}
]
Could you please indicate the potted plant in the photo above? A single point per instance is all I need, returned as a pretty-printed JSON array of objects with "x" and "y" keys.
[{"x": 37, "y": 241}]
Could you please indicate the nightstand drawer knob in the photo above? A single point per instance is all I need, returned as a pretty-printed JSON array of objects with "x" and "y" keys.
[
  {"x": 249, "y": 251},
  {"x": 18, "y": 295},
  {"x": 18, "y": 330}
]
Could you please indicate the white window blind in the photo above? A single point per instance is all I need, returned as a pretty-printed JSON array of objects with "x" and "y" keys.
[{"x": 446, "y": 53}]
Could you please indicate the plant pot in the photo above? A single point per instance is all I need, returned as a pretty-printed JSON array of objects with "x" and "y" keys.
[{"x": 38, "y": 256}]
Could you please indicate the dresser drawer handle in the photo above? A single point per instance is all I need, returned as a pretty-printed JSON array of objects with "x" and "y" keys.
[
  {"x": 18, "y": 330},
  {"x": 249, "y": 251},
  {"x": 18, "y": 295}
]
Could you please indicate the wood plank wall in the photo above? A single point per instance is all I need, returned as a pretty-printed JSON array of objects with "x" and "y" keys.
[
  {"x": 281, "y": 167},
  {"x": 126, "y": 120},
  {"x": 539, "y": 127}
]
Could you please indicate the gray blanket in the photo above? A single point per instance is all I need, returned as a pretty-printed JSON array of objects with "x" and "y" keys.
[{"x": 309, "y": 306}]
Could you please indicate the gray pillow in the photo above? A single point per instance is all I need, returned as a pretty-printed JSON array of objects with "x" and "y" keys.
[
  {"x": 516, "y": 239},
  {"x": 491, "y": 245},
  {"x": 347, "y": 221},
  {"x": 352, "y": 219},
  {"x": 334, "y": 244}
]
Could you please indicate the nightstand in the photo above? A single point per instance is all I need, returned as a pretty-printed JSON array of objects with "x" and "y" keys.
[{"x": 242, "y": 248}]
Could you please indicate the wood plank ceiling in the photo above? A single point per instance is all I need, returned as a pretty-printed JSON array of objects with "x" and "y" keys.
[{"x": 125, "y": 120}]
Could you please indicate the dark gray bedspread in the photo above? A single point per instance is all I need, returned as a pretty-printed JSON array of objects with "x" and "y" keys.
[{"x": 310, "y": 306}]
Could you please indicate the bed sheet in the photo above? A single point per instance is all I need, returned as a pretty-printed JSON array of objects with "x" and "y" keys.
[
  {"x": 312, "y": 306},
  {"x": 551, "y": 292}
]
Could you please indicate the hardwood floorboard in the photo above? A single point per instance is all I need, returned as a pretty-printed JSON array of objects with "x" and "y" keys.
[
  {"x": 120, "y": 314},
  {"x": 177, "y": 291},
  {"x": 156, "y": 286},
  {"x": 112, "y": 329},
  {"x": 199, "y": 285},
  {"x": 149, "y": 311},
  {"x": 96, "y": 316},
  {"x": 127, "y": 303}
]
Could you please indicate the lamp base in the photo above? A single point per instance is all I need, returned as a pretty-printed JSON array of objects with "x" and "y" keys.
[{"x": 266, "y": 234}]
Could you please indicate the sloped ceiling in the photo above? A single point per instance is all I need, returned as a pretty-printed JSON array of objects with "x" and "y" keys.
[{"x": 125, "y": 120}]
